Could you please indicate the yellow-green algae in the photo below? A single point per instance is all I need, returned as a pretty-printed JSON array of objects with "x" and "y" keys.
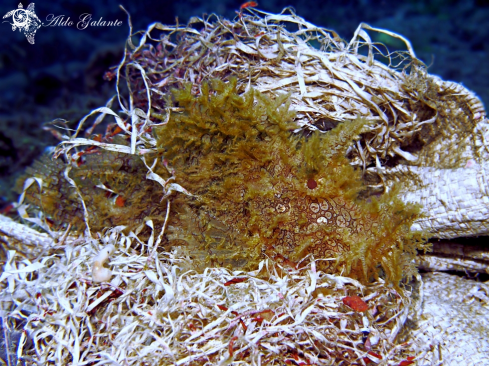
[{"x": 248, "y": 173}]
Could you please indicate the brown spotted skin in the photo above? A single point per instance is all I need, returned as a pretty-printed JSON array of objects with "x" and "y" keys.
[{"x": 292, "y": 223}]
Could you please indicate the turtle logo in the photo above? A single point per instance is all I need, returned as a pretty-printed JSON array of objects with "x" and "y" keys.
[{"x": 25, "y": 20}]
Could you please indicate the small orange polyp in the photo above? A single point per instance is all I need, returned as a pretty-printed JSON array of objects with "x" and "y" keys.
[
  {"x": 356, "y": 303},
  {"x": 120, "y": 201}
]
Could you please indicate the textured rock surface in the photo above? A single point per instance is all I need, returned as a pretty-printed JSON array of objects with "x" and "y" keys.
[
  {"x": 453, "y": 322},
  {"x": 449, "y": 175},
  {"x": 455, "y": 201}
]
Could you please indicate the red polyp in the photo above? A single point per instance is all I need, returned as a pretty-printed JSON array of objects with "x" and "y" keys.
[{"x": 311, "y": 183}]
